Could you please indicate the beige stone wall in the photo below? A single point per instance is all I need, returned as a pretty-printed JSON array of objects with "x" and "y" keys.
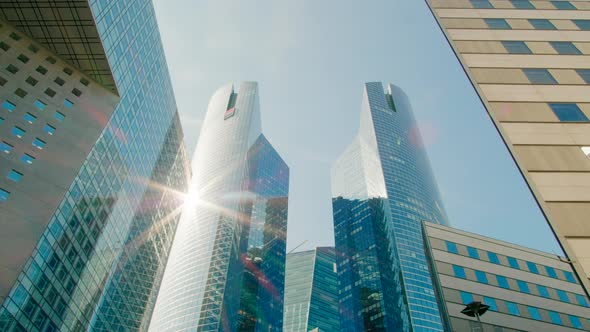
[{"x": 547, "y": 150}]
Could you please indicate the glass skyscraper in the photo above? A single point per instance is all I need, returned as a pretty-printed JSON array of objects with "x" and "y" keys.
[
  {"x": 226, "y": 267},
  {"x": 383, "y": 188},
  {"x": 100, "y": 255},
  {"x": 311, "y": 291}
]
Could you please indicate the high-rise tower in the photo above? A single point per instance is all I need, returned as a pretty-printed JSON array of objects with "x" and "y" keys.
[
  {"x": 383, "y": 188},
  {"x": 94, "y": 161},
  {"x": 529, "y": 61},
  {"x": 226, "y": 269}
]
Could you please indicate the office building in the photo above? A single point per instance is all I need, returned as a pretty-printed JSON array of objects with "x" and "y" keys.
[
  {"x": 529, "y": 62},
  {"x": 311, "y": 291},
  {"x": 93, "y": 165},
  {"x": 382, "y": 189},
  {"x": 525, "y": 289},
  {"x": 226, "y": 267}
]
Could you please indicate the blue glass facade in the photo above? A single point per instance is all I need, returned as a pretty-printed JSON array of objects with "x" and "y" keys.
[
  {"x": 98, "y": 263},
  {"x": 383, "y": 188},
  {"x": 311, "y": 291}
]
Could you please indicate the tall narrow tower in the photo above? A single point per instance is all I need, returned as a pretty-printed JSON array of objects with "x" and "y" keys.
[
  {"x": 383, "y": 188},
  {"x": 226, "y": 267}
]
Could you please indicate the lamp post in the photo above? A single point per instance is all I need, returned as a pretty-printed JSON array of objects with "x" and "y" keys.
[{"x": 476, "y": 309}]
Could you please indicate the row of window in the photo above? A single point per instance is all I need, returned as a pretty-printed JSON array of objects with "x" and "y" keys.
[
  {"x": 512, "y": 262},
  {"x": 543, "y": 76},
  {"x": 534, "y": 312},
  {"x": 561, "y": 47},
  {"x": 537, "y": 23},
  {"x": 523, "y": 286},
  {"x": 522, "y": 4}
]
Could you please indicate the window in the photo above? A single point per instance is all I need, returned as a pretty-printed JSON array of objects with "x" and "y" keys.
[
  {"x": 8, "y": 105},
  {"x": 575, "y": 322},
  {"x": 5, "y": 147},
  {"x": 5, "y": 47},
  {"x": 59, "y": 116},
  {"x": 491, "y": 302},
  {"x": 84, "y": 81},
  {"x": 473, "y": 252},
  {"x": 513, "y": 308},
  {"x": 551, "y": 272},
  {"x": 51, "y": 60},
  {"x": 33, "y": 48},
  {"x": 41, "y": 70},
  {"x": 562, "y": 295},
  {"x": 568, "y": 113},
  {"x": 30, "y": 118},
  {"x": 539, "y": 76},
  {"x": 497, "y": 23},
  {"x": 76, "y": 92},
  {"x": 555, "y": 318},
  {"x": 459, "y": 271},
  {"x": 1, "y": 120},
  {"x": 18, "y": 132},
  {"x": 3, "y": 81},
  {"x": 581, "y": 299},
  {"x": 20, "y": 92},
  {"x": 14, "y": 36},
  {"x": 481, "y": 277},
  {"x": 493, "y": 258},
  {"x": 502, "y": 282},
  {"x": 542, "y": 24},
  {"x": 49, "y": 129},
  {"x": 39, "y": 104},
  {"x": 12, "y": 69},
  {"x": 14, "y": 176},
  {"x": 563, "y": 5},
  {"x": 584, "y": 74},
  {"x": 523, "y": 286},
  {"x": 68, "y": 71},
  {"x": 23, "y": 58},
  {"x": 32, "y": 81},
  {"x": 569, "y": 276},
  {"x": 39, "y": 143},
  {"x": 516, "y": 47},
  {"x": 27, "y": 158},
  {"x": 481, "y": 4},
  {"x": 513, "y": 262},
  {"x": 534, "y": 312},
  {"x": 543, "y": 291},
  {"x": 59, "y": 81},
  {"x": 68, "y": 103},
  {"x": 582, "y": 24},
  {"x": 4, "y": 195},
  {"x": 565, "y": 48},
  {"x": 50, "y": 92},
  {"x": 466, "y": 297},
  {"x": 522, "y": 4},
  {"x": 452, "y": 247}
]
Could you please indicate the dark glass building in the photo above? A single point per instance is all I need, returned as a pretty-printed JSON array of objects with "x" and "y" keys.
[
  {"x": 226, "y": 267},
  {"x": 311, "y": 291},
  {"x": 383, "y": 188},
  {"x": 94, "y": 254}
]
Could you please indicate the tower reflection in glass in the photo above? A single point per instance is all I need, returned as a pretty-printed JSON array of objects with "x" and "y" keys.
[{"x": 383, "y": 188}]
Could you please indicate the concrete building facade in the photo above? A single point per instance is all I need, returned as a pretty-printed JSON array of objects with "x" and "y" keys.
[
  {"x": 527, "y": 290},
  {"x": 529, "y": 61}
]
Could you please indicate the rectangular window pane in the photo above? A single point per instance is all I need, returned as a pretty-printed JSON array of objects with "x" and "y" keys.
[
  {"x": 493, "y": 258},
  {"x": 523, "y": 286},
  {"x": 27, "y": 159},
  {"x": 569, "y": 276},
  {"x": 5, "y": 147},
  {"x": 513, "y": 263},
  {"x": 516, "y": 47},
  {"x": 543, "y": 291},
  {"x": 459, "y": 271},
  {"x": 532, "y": 267},
  {"x": 502, "y": 282},
  {"x": 542, "y": 24},
  {"x": 473, "y": 252},
  {"x": 534, "y": 312},
  {"x": 4, "y": 195},
  {"x": 68, "y": 103},
  {"x": 584, "y": 74},
  {"x": 565, "y": 48},
  {"x": 30, "y": 118},
  {"x": 512, "y": 308},
  {"x": 555, "y": 318},
  {"x": 562, "y": 295},
  {"x": 39, "y": 104},
  {"x": 539, "y": 76},
  {"x": 8, "y": 105},
  {"x": 581, "y": 299},
  {"x": 14, "y": 176},
  {"x": 551, "y": 272},
  {"x": 582, "y": 24},
  {"x": 59, "y": 116},
  {"x": 497, "y": 23},
  {"x": 452, "y": 247},
  {"x": 481, "y": 4},
  {"x": 18, "y": 132},
  {"x": 522, "y": 4},
  {"x": 563, "y": 5},
  {"x": 49, "y": 129},
  {"x": 575, "y": 322},
  {"x": 568, "y": 113},
  {"x": 481, "y": 277},
  {"x": 39, "y": 143},
  {"x": 466, "y": 297},
  {"x": 491, "y": 302}
]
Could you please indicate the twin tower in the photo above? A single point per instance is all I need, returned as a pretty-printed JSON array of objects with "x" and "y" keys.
[{"x": 226, "y": 270}]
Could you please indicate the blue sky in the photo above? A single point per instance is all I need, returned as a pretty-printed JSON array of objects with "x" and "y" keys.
[{"x": 311, "y": 58}]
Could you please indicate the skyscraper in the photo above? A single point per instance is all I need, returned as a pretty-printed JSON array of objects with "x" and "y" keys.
[
  {"x": 99, "y": 167},
  {"x": 383, "y": 188},
  {"x": 311, "y": 291},
  {"x": 226, "y": 268},
  {"x": 528, "y": 61}
]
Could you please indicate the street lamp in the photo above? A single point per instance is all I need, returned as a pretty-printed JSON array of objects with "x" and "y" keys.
[{"x": 476, "y": 309}]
